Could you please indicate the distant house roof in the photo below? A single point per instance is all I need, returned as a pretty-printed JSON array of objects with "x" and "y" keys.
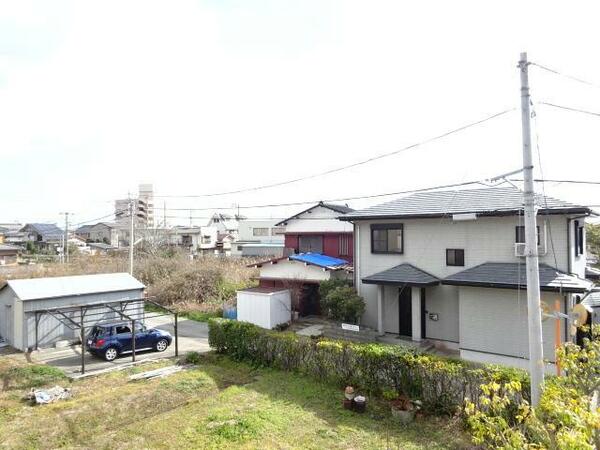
[
  {"x": 483, "y": 202},
  {"x": 312, "y": 259},
  {"x": 403, "y": 274},
  {"x": 513, "y": 276},
  {"x": 48, "y": 231},
  {"x": 39, "y": 288},
  {"x": 592, "y": 300},
  {"x": 5, "y": 248},
  {"x": 342, "y": 209},
  {"x": 84, "y": 229}
]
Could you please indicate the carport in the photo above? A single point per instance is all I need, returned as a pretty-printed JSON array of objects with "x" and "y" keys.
[{"x": 80, "y": 318}]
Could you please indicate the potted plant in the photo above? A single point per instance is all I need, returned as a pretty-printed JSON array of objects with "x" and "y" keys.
[
  {"x": 403, "y": 408},
  {"x": 349, "y": 397}
]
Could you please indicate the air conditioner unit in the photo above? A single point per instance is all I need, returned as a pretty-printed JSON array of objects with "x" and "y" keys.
[{"x": 520, "y": 249}]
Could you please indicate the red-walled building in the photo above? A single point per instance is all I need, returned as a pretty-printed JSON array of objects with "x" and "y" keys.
[{"x": 318, "y": 230}]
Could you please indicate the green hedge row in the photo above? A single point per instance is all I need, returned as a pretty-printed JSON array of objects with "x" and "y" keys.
[{"x": 441, "y": 383}]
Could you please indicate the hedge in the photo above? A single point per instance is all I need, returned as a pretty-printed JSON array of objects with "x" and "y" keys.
[{"x": 440, "y": 383}]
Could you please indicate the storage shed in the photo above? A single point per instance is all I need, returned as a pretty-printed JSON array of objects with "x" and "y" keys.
[
  {"x": 38, "y": 310},
  {"x": 264, "y": 306}
]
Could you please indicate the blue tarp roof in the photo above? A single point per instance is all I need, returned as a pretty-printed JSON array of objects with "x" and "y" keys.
[{"x": 318, "y": 259}]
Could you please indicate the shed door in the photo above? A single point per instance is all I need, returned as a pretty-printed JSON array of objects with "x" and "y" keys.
[{"x": 405, "y": 311}]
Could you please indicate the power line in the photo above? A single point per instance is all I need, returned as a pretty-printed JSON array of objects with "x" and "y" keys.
[
  {"x": 349, "y": 166},
  {"x": 570, "y": 108},
  {"x": 570, "y": 77}
]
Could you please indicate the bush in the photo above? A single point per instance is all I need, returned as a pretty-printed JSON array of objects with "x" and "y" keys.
[
  {"x": 343, "y": 304},
  {"x": 566, "y": 417},
  {"x": 193, "y": 358},
  {"x": 441, "y": 383},
  {"x": 326, "y": 286}
]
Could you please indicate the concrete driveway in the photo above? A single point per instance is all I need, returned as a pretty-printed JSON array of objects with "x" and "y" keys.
[{"x": 193, "y": 336}]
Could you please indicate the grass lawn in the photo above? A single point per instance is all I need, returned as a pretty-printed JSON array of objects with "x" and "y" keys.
[{"x": 219, "y": 404}]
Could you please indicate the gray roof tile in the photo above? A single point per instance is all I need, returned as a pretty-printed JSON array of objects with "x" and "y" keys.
[
  {"x": 488, "y": 201},
  {"x": 513, "y": 276},
  {"x": 402, "y": 274}
]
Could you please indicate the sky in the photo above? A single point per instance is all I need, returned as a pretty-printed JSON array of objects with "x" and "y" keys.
[{"x": 201, "y": 97}]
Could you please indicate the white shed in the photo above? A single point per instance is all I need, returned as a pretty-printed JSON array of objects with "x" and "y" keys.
[
  {"x": 52, "y": 302},
  {"x": 264, "y": 306}
]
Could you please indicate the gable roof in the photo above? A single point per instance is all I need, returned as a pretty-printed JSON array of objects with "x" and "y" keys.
[
  {"x": 483, "y": 202},
  {"x": 403, "y": 274},
  {"x": 342, "y": 209},
  {"x": 84, "y": 229},
  {"x": 48, "y": 231},
  {"x": 39, "y": 288},
  {"x": 514, "y": 276}
]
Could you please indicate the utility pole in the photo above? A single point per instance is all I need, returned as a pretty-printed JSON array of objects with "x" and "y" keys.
[
  {"x": 131, "y": 236},
  {"x": 534, "y": 310},
  {"x": 66, "y": 239}
]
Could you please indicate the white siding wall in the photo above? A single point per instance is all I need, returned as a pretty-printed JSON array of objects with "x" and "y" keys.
[
  {"x": 7, "y": 314},
  {"x": 495, "y": 321},
  {"x": 486, "y": 239},
  {"x": 318, "y": 220},
  {"x": 294, "y": 270}
]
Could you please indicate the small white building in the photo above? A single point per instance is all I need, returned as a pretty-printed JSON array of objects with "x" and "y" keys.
[
  {"x": 259, "y": 238},
  {"x": 264, "y": 306},
  {"x": 44, "y": 306}
]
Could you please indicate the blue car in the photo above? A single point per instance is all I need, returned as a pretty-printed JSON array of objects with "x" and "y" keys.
[{"x": 111, "y": 340}]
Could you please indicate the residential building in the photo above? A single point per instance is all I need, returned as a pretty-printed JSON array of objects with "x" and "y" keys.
[
  {"x": 259, "y": 238},
  {"x": 226, "y": 223},
  {"x": 301, "y": 274},
  {"x": 318, "y": 230},
  {"x": 43, "y": 235},
  {"x": 196, "y": 240},
  {"x": 146, "y": 195},
  {"x": 448, "y": 267}
]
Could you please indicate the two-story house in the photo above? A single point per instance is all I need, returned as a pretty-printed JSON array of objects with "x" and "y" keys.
[
  {"x": 318, "y": 230},
  {"x": 448, "y": 267},
  {"x": 259, "y": 238}
]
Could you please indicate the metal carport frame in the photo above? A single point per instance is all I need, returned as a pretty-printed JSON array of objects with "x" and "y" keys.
[{"x": 86, "y": 314}]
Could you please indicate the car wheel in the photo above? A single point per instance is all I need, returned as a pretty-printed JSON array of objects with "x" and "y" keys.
[
  {"x": 110, "y": 354},
  {"x": 161, "y": 345}
]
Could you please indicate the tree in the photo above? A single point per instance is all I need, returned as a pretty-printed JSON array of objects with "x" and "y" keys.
[{"x": 593, "y": 238}]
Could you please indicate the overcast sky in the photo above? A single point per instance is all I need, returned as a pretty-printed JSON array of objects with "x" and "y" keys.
[{"x": 209, "y": 96}]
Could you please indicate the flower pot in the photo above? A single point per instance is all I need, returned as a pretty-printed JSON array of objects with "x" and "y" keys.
[
  {"x": 348, "y": 404},
  {"x": 403, "y": 416},
  {"x": 360, "y": 404}
]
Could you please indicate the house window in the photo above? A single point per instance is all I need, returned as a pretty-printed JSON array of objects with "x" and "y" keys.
[
  {"x": 520, "y": 234},
  {"x": 344, "y": 245},
  {"x": 579, "y": 239},
  {"x": 387, "y": 238},
  {"x": 277, "y": 231},
  {"x": 260, "y": 231},
  {"x": 312, "y": 244},
  {"x": 455, "y": 257}
]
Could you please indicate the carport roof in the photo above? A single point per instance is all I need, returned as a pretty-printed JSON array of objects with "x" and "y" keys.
[
  {"x": 513, "y": 276},
  {"x": 404, "y": 274},
  {"x": 41, "y": 288}
]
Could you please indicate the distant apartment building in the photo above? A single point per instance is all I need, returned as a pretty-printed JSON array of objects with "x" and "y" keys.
[{"x": 143, "y": 209}]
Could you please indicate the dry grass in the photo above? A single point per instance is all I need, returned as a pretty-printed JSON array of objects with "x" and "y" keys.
[{"x": 203, "y": 284}]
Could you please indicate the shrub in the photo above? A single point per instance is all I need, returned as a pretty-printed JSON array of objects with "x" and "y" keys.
[
  {"x": 344, "y": 304},
  {"x": 566, "y": 417},
  {"x": 193, "y": 358},
  {"x": 326, "y": 286},
  {"x": 441, "y": 383}
]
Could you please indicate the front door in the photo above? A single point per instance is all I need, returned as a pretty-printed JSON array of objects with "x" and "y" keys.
[{"x": 405, "y": 311}]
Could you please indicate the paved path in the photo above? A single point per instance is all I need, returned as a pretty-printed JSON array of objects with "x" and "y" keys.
[{"x": 193, "y": 336}]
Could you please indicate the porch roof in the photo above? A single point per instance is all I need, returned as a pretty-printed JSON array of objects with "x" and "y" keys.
[
  {"x": 404, "y": 274},
  {"x": 514, "y": 276}
]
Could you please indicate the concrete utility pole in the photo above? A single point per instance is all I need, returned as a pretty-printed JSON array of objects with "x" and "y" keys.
[
  {"x": 534, "y": 310},
  {"x": 131, "y": 236},
  {"x": 66, "y": 239}
]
